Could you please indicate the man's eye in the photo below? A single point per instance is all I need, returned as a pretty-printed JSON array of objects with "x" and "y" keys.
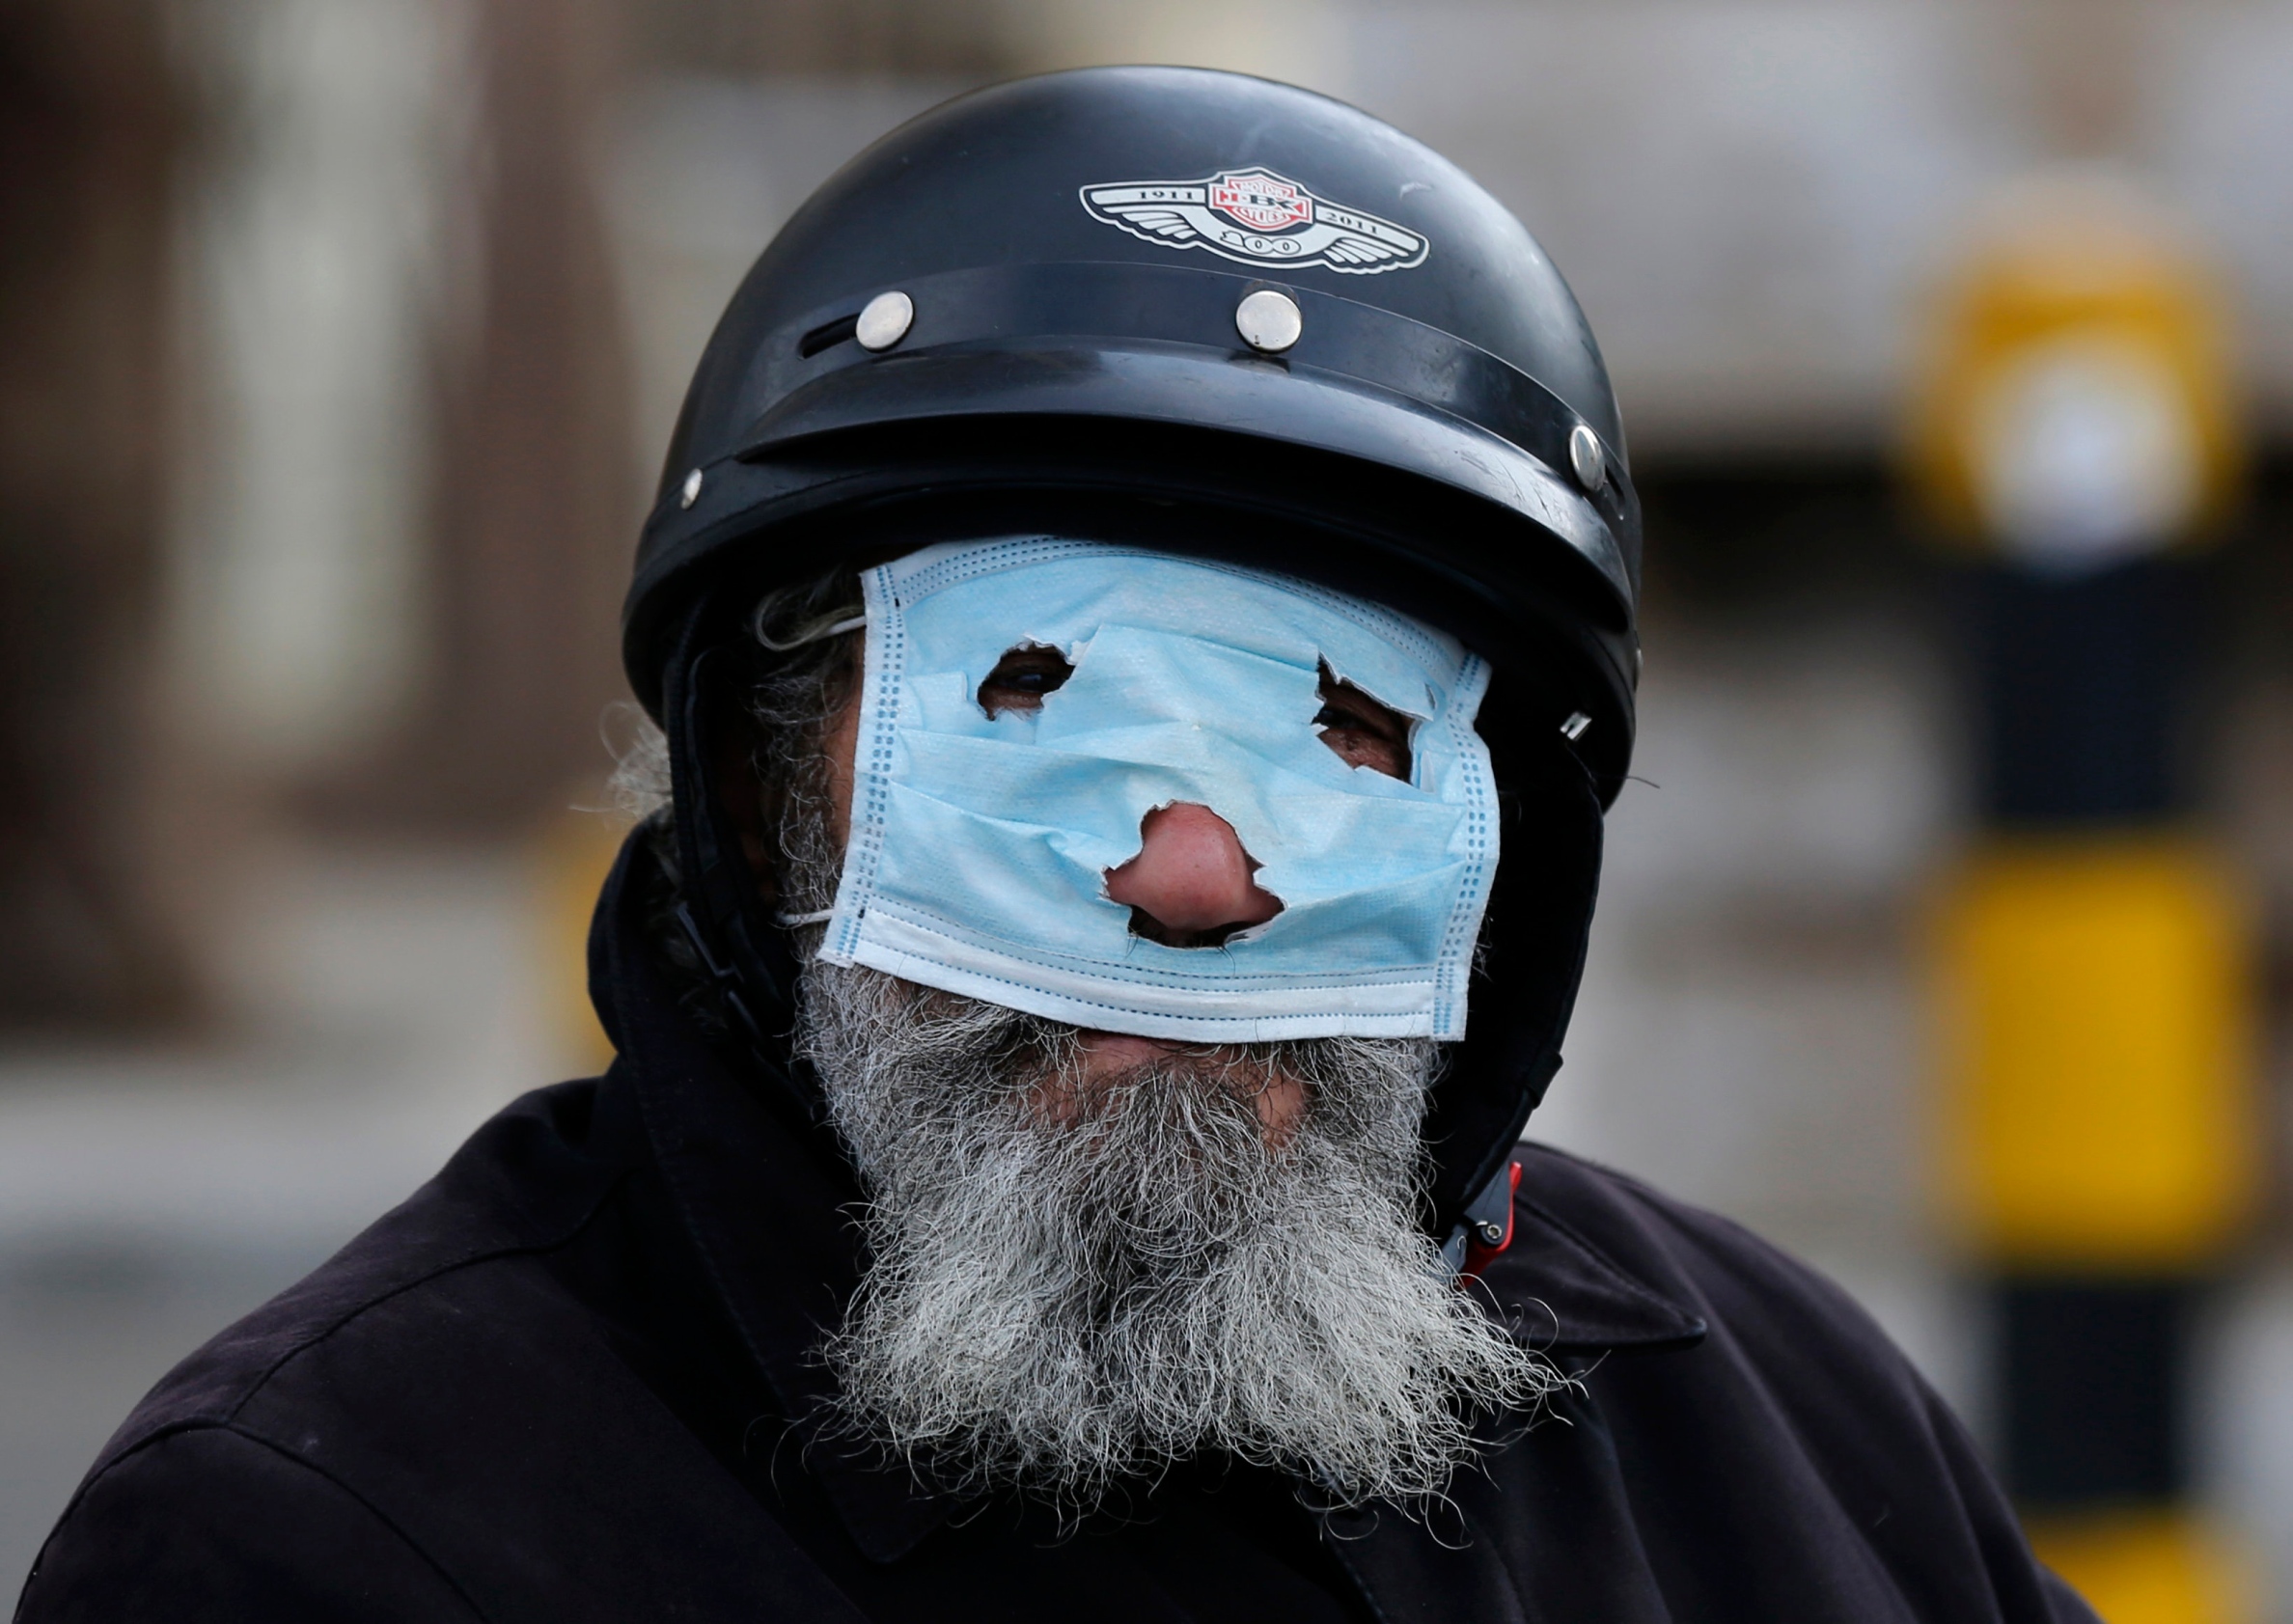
[
  {"x": 1363, "y": 733},
  {"x": 1022, "y": 677}
]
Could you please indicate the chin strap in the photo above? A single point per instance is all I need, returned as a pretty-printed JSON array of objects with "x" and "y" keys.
[
  {"x": 748, "y": 963},
  {"x": 1486, "y": 1228}
]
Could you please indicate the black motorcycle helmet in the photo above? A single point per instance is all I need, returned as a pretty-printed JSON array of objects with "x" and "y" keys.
[{"x": 1219, "y": 316}]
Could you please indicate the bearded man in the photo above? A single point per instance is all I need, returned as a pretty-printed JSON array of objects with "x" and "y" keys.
[{"x": 1141, "y": 618}]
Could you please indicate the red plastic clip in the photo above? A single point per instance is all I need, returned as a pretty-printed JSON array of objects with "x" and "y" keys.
[{"x": 1479, "y": 1253}]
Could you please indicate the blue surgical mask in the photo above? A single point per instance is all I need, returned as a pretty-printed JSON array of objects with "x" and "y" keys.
[{"x": 980, "y": 844}]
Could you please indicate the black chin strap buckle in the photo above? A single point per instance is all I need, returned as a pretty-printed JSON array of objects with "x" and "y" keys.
[{"x": 724, "y": 981}]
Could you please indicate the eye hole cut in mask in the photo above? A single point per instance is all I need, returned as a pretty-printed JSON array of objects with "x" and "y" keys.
[
  {"x": 1039, "y": 718},
  {"x": 1022, "y": 677},
  {"x": 1363, "y": 733}
]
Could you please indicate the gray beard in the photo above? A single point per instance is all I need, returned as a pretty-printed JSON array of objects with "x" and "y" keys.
[{"x": 1072, "y": 1287}]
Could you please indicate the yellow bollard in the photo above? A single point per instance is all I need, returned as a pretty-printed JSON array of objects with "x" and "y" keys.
[
  {"x": 2148, "y": 1567},
  {"x": 2076, "y": 429},
  {"x": 2097, "y": 1050}
]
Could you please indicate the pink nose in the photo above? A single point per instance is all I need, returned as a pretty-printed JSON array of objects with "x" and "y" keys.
[{"x": 1190, "y": 886}]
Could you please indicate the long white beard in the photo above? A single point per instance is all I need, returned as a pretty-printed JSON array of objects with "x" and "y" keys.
[{"x": 1075, "y": 1287}]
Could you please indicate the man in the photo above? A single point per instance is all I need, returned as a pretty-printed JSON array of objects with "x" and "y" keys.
[{"x": 1140, "y": 614}]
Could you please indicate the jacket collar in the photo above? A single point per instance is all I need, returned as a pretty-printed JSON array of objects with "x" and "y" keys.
[
  {"x": 1561, "y": 1293},
  {"x": 767, "y": 1201}
]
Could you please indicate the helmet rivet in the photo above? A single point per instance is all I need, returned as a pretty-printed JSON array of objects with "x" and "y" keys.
[
  {"x": 692, "y": 489},
  {"x": 1268, "y": 320},
  {"x": 1586, "y": 459},
  {"x": 884, "y": 320}
]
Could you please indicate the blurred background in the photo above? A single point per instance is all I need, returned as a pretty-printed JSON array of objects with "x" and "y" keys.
[{"x": 1949, "y": 934}]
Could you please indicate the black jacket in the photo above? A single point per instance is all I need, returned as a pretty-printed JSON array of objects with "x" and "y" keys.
[{"x": 555, "y": 1386}]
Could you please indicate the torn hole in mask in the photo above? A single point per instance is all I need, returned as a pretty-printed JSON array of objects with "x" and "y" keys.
[
  {"x": 1192, "y": 884},
  {"x": 1023, "y": 677},
  {"x": 1363, "y": 731}
]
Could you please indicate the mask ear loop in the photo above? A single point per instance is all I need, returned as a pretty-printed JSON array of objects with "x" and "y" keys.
[{"x": 807, "y": 635}]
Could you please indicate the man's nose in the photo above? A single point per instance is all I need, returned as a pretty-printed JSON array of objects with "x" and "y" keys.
[{"x": 1190, "y": 886}]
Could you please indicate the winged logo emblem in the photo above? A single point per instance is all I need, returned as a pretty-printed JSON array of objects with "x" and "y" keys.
[{"x": 1259, "y": 218}]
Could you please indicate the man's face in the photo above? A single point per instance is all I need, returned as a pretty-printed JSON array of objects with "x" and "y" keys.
[
  {"x": 1190, "y": 881},
  {"x": 1095, "y": 1253}
]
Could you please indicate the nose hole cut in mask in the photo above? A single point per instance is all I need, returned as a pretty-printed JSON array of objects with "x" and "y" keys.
[{"x": 1192, "y": 884}]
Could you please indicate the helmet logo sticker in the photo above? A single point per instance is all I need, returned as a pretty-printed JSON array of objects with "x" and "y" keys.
[
  {"x": 1257, "y": 217},
  {"x": 1262, "y": 202}
]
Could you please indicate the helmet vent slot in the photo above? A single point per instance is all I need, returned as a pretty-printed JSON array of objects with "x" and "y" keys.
[{"x": 827, "y": 336}]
